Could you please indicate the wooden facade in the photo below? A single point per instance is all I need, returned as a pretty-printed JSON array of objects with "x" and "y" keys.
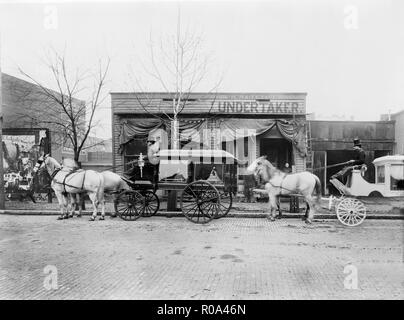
[
  {"x": 332, "y": 143},
  {"x": 213, "y": 107}
]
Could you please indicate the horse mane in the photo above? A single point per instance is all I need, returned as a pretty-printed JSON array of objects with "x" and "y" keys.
[
  {"x": 54, "y": 162},
  {"x": 70, "y": 163},
  {"x": 271, "y": 169}
]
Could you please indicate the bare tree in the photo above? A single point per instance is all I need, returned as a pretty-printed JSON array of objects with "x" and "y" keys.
[
  {"x": 178, "y": 65},
  {"x": 59, "y": 109}
]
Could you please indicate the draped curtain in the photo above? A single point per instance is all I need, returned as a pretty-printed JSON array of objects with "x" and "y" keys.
[
  {"x": 294, "y": 131},
  {"x": 230, "y": 129},
  {"x": 141, "y": 127}
]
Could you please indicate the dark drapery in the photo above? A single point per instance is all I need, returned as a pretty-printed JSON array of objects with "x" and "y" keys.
[
  {"x": 294, "y": 131},
  {"x": 141, "y": 127},
  {"x": 230, "y": 129}
]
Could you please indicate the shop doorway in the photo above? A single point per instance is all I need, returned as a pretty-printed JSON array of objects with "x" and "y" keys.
[{"x": 278, "y": 152}]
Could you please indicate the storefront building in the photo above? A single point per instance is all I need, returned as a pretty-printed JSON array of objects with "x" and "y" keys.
[
  {"x": 331, "y": 143},
  {"x": 245, "y": 124}
]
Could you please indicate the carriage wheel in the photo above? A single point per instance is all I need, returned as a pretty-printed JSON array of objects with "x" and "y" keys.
[
  {"x": 200, "y": 201},
  {"x": 226, "y": 201},
  {"x": 129, "y": 205},
  {"x": 351, "y": 212},
  {"x": 152, "y": 203}
]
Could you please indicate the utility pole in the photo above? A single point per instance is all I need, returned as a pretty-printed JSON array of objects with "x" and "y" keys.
[{"x": 2, "y": 197}]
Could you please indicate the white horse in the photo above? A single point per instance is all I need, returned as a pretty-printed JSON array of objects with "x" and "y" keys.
[
  {"x": 114, "y": 183},
  {"x": 74, "y": 200},
  {"x": 65, "y": 181},
  {"x": 279, "y": 183}
]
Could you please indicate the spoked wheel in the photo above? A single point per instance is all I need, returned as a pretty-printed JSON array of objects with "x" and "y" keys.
[
  {"x": 152, "y": 203},
  {"x": 200, "y": 201},
  {"x": 129, "y": 205},
  {"x": 351, "y": 212},
  {"x": 226, "y": 201}
]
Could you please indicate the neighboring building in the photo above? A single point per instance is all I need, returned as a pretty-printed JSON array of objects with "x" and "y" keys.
[
  {"x": 332, "y": 142},
  {"x": 25, "y": 104},
  {"x": 96, "y": 154},
  {"x": 399, "y": 124},
  {"x": 245, "y": 124},
  {"x": 24, "y": 139}
]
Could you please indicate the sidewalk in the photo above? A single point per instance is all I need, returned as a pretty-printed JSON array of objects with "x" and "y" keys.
[{"x": 376, "y": 209}]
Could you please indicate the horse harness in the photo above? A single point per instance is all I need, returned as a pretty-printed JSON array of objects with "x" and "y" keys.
[
  {"x": 65, "y": 177},
  {"x": 280, "y": 186}
]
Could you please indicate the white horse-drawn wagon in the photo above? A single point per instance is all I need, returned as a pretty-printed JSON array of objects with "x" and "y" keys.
[
  {"x": 350, "y": 210},
  {"x": 389, "y": 173}
]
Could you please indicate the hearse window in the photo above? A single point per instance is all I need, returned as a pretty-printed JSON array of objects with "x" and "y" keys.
[
  {"x": 380, "y": 174},
  {"x": 135, "y": 147}
]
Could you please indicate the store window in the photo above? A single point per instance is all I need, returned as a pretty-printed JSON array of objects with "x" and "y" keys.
[{"x": 132, "y": 151}]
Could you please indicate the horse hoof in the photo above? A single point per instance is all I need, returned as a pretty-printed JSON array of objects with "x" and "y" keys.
[
  {"x": 279, "y": 217},
  {"x": 102, "y": 218},
  {"x": 60, "y": 218},
  {"x": 92, "y": 219},
  {"x": 79, "y": 216},
  {"x": 308, "y": 221},
  {"x": 271, "y": 219}
]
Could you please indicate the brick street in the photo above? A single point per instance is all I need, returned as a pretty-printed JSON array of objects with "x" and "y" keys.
[{"x": 172, "y": 258}]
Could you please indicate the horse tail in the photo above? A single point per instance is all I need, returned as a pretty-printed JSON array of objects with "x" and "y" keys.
[{"x": 317, "y": 187}]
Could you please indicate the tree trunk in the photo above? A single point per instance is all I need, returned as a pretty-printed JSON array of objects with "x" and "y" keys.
[{"x": 175, "y": 134}]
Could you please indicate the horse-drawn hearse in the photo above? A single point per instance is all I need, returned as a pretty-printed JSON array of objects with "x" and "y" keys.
[{"x": 204, "y": 179}]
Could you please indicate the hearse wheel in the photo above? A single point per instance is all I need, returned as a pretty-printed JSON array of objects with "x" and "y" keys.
[
  {"x": 226, "y": 201},
  {"x": 200, "y": 201},
  {"x": 351, "y": 212},
  {"x": 152, "y": 203},
  {"x": 129, "y": 205}
]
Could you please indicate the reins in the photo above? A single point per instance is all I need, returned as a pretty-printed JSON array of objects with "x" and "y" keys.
[
  {"x": 57, "y": 170},
  {"x": 280, "y": 186}
]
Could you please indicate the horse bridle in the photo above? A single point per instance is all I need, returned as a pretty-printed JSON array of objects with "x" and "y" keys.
[{"x": 258, "y": 174}]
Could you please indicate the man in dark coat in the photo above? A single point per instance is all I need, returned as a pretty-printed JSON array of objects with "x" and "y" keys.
[{"x": 360, "y": 157}]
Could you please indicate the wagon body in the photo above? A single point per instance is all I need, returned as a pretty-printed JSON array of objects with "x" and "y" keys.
[
  {"x": 205, "y": 180},
  {"x": 389, "y": 183},
  {"x": 389, "y": 179}
]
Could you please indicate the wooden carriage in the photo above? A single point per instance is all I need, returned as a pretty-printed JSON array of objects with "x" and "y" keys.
[{"x": 204, "y": 180}]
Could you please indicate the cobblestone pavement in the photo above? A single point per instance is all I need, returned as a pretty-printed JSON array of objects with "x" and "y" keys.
[{"x": 162, "y": 258}]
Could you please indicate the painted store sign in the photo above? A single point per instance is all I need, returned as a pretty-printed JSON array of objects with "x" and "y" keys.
[{"x": 257, "y": 107}]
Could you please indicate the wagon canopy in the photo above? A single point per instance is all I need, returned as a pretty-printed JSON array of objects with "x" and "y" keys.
[
  {"x": 396, "y": 163},
  {"x": 199, "y": 156}
]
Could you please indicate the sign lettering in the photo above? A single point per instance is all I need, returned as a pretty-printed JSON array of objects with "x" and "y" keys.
[{"x": 257, "y": 107}]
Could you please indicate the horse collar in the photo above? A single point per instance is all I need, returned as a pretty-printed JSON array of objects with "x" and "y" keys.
[{"x": 53, "y": 175}]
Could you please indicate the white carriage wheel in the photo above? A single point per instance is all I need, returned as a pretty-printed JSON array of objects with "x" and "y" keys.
[{"x": 351, "y": 212}]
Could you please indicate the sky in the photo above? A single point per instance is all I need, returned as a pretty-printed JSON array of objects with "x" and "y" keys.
[{"x": 347, "y": 55}]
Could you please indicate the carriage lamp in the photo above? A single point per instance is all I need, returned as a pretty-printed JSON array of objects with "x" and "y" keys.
[{"x": 140, "y": 163}]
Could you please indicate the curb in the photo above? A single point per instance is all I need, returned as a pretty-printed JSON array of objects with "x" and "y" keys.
[{"x": 174, "y": 214}]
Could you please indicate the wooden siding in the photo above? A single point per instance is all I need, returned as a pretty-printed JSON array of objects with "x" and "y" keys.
[
  {"x": 117, "y": 156},
  {"x": 399, "y": 129},
  {"x": 339, "y": 135},
  {"x": 203, "y": 103}
]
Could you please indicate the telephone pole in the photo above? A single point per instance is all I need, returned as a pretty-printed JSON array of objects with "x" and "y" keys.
[{"x": 2, "y": 197}]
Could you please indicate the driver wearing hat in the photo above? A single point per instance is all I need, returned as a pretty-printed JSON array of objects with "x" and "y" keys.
[{"x": 360, "y": 157}]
